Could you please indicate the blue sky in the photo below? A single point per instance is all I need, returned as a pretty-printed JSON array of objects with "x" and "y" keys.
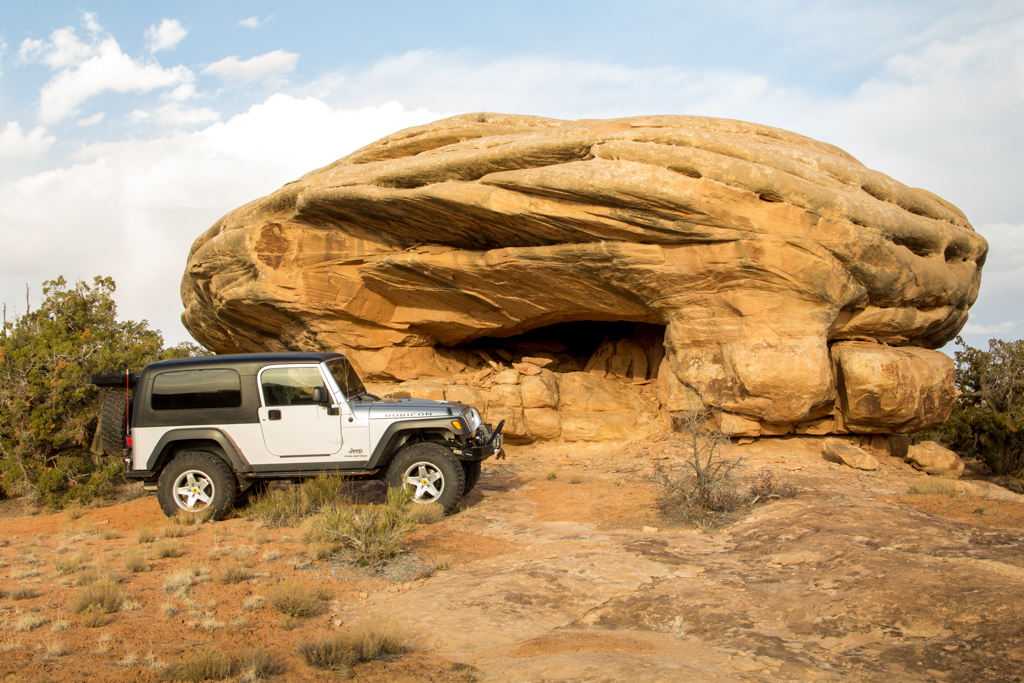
[{"x": 127, "y": 129}]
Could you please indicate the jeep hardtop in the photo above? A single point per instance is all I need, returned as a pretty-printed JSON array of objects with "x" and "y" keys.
[{"x": 205, "y": 432}]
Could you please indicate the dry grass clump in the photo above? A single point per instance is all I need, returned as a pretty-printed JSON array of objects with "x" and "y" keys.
[
  {"x": 110, "y": 534},
  {"x": 428, "y": 513},
  {"x": 288, "y": 507},
  {"x": 174, "y": 530},
  {"x": 23, "y": 593},
  {"x": 205, "y": 665},
  {"x": 144, "y": 535},
  {"x": 179, "y": 582},
  {"x": 940, "y": 485},
  {"x": 68, "y": 564},
  {"x": 259, "y": 664},
  {"x": 168, "y": 548},
  {"x": 185, "y": 518},
  {"x": 297, "y": 598},
  {"x": 89, "y": 575},
  {"x": 371, "y": 638},
  {"x": 232, "y": 573},
  {"x": 278, "y": 507},
  {"x": 27, "y": 622},
  {"x": 136, "y": 563},
  {"x": 106, "y": 596}
]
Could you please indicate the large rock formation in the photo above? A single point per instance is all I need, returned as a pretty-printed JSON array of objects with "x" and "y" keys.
[{"x": 772, "y": 275}]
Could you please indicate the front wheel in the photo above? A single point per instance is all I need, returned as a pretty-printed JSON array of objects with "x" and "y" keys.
[
  {"x": 198, "y": 482},
  {"x": 431, "y": 472},
  {"x": 472, "y": 469}
]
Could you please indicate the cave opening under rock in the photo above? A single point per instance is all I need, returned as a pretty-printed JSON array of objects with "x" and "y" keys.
[{"x": 613, "y": 349}]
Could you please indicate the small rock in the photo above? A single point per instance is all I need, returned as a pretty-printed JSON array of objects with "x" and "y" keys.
[
  {"x": 337, "y": 622},
  {"x": 507, "y": 377},
  {"x": 527, "y": 368},
  {"x": 850, "y": 455},
  {"x": 931, "y": 458},
  {"x": 539, "y": 362},
  {"x": 650, "y": 530}
]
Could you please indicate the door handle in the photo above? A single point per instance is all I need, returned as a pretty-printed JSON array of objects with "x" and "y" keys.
[{"x": 273, "y": 414}]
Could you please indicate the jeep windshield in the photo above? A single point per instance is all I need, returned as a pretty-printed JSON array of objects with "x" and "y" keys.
[{"x": 345, "y": 375}]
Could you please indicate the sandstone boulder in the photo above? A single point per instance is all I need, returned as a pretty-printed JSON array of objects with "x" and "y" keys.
[
  {"x": 931, "y": 458},
  {"x": 791, "y": 284},
  {"x": 850, "y": 455}
]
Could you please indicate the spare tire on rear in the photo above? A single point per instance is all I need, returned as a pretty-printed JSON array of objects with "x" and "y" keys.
[{"x": 114, "y": 420}]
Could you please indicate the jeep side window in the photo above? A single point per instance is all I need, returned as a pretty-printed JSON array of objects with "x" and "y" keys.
[
  {"x": 292, "y": 386},
  {"x": 346, "y": 377},
  {"x": 196, "y": 390}
]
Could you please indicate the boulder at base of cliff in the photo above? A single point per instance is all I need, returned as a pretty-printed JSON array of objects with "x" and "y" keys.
[{"x": 931, "y": 458}]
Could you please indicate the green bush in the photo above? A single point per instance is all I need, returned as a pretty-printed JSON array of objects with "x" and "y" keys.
[
  {"x": 48, "y": 410},
  {"x": 373, "y": 534},
  {"x": 988, "y": 415}
]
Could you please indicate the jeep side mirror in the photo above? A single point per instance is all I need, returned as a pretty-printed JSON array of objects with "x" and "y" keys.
[{"x": 320, "y": 396}]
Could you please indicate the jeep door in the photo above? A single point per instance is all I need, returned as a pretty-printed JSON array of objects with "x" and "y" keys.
[{"x": 293, "y": 422}]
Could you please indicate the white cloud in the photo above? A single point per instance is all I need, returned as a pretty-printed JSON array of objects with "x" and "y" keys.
[
  {"x": 268, "y": 67},
  {"x": 14, "y": 144},
  {"x": 132, "y": 209},
  {"x": 166, "y": 36},
  {"x": 254, "y": 22},
  {"x": 91, "y": 120},
  {"x": 85, "y": 70},
  {"x": 185, "y": 91},
  {"x": 991, "y": 330}
]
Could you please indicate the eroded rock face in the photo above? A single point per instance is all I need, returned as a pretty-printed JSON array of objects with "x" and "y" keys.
[{"x": 797, "y": 290}]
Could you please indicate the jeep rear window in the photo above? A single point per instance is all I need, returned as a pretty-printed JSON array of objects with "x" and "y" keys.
[
  {"x": 196, "y": 390},
  {"x": 346, "y": 377}
]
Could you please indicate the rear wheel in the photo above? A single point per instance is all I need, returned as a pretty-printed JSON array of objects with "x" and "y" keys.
[
  {"x": 198, "y": 482},
  {"x": 432, "y": 473},
  {"x": 472, "y": 469}
]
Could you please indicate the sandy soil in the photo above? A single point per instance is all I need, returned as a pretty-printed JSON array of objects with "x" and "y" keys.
[{"x": 558, "y": 568}]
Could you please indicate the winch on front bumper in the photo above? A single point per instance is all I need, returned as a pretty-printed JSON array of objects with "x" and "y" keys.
[{"x": 483, "y": 443}]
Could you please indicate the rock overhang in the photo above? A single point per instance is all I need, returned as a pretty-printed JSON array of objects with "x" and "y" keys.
[{"x": 759, "y": 250}]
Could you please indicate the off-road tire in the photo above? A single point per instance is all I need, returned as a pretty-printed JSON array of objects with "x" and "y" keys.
[
  {"x": 431, "y": 460},
  {"x": 114, "y": 421},
  {"x": 472, "y": 469},
  {"x": 211, "y": 476}
]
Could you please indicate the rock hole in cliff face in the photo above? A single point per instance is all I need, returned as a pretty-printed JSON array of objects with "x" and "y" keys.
[{"x": 617, "y": 350}]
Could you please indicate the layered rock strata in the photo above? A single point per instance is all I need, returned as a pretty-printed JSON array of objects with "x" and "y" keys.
[{"x": 798, "y": 291}]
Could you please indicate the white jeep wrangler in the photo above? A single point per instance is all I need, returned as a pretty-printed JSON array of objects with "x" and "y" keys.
[{"x": 204, "y": 432}]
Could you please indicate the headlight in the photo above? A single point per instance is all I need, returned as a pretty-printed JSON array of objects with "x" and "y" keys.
[{"x": 473, "y": 419}]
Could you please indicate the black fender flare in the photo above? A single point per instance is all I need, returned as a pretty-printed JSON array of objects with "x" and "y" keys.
[
  {"x": 229, "y": 450},
  {"x": 395, "y": 429}
]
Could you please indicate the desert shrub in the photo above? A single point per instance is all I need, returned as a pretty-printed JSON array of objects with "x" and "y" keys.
[
  {"x": 206, "y": 664},
  {"x": 110, "y": 534},
  {"x": 297, "y": 598},
  {"x": 766, "y": 487},
  {"x": 93, "y": 616},
  {"x": 106, "y": 596},
  {"x": 168, "y": 548},
  {"x": 372, "y": 534},
  {"x": 144, "y": 535},
  {"x": 551, "y": 476},
  {"x": 575, "y": 479},
  {"x": 700, "y": 488},
  {"x": 27, "y": 622},
  {"x": 370, "y": 639},
  {"x": 23, "y": 593},
  {"x": 232, "y": 573},
  {"x": 334, "y": 653},
  {"x": 259, "y": 664},
  {"x": 988, "y": 414},
  {"x": 136, "y": 562},
  {"x": 48, "y": 410}
]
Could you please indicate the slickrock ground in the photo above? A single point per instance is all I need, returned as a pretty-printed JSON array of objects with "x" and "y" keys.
[{"x": 558, "y": 580}]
